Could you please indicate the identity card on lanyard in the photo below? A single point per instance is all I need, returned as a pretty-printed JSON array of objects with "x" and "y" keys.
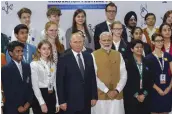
[{"x": 162, "y": 75}]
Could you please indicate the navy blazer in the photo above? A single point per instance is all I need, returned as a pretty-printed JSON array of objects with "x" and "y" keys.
[
  {"x": 17, "y": 91},
  {"x": 102, "y": 27},
  {"x": 72, "y": 88},
  {"x": 122, "y": 49}
]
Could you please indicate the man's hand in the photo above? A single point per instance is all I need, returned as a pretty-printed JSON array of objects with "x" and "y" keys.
[
  {"x": 63, "y": 106},
  {"x": 26, "y": 106},
  {"x": 21, "y": 109},
  {"x": 44, "y": 108},
  {"x": 112, "y": 94},
  {"x": 93, "y": 102},
  {"x": 141, "y": 98}
]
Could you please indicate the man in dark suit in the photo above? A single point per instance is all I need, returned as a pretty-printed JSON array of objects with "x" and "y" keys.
[
  {"x": 76, "y": 80},
  {"x": 111, "y": 11},
  {"x": 16, "y": 81}
]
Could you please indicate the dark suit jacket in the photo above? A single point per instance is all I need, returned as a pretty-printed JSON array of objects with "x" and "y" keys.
[
  {"x": 133, "y": 85},
  {"x": 122, "y": 49},
  {"x": 102, "y": 27},
  {"x": 147, "y": 49},
  {"x": 17, "y": 91},
  {"x": 71, "y": 87}
]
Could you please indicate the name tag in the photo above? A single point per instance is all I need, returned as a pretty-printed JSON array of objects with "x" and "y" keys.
[{"x": 162, "y": 78}]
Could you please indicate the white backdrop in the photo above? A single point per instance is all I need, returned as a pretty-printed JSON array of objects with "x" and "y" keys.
[{"x": 94, "y": 16}]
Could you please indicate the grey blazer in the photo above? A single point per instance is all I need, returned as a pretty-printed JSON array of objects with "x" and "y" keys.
[{"x": 86, "y": 43}]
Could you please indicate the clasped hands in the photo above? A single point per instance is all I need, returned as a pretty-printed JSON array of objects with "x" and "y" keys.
[
  {"x": 112, "y": 94},
  {"x": 162, "y": 93}
]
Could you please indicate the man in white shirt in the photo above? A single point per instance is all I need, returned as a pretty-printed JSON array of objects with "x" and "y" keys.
[
  {"x": 24, "y": 15},
  {"x": 53, "y": 14},
  {"x": 111, "y": 77}
]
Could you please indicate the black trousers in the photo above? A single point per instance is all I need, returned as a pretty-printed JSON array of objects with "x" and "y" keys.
[
  {"x": 50, "y": 100},
  {"x": 84, "y": 111}
]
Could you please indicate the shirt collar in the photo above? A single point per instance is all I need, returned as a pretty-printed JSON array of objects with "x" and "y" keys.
[
  {"x": 75, "y": 53},
  {"x": 17, "y": 62}
]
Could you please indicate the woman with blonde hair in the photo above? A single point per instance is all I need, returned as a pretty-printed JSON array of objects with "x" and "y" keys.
[
  {"x": 51, "y": 34},
  {"x": 43, "y": 73}
]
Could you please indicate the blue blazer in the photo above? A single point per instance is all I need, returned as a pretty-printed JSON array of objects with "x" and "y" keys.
[
  {"x": 16, "y": 91},
  {"x": 72, "y": 88}
]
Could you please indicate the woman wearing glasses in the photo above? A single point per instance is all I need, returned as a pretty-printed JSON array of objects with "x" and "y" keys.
[
  {"x": 118, "y": 42},
  {"x": 160, "y": 62}
]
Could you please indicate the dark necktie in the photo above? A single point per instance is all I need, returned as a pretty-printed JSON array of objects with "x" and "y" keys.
[{"x": 81, "y": 66}]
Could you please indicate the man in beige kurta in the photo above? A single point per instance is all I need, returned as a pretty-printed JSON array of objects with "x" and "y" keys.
[{"x": 111, "y": 77}]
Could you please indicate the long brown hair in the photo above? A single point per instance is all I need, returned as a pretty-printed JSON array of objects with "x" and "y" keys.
[
  {"x": 59, "y": 46},
  {"x": 74, "y": 27},
  {"x": 37, "y": 56}
]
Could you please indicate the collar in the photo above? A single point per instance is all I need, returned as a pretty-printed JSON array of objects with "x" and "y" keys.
[
  {"x": 17, "y": 62},
  {"x": 117, "y": 43},
  {"x": 76, "y": 53}
]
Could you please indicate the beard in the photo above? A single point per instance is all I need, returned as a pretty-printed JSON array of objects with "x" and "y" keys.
[{"x": 107, "y": 48}]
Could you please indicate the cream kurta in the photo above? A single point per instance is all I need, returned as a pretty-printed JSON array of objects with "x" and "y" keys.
[{"x": 110, "y": 106}]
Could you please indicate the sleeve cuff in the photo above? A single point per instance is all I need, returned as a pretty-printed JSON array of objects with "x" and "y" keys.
[
  {"x": 41, "y": 101},
  {"x": 57, "y": 104},
  {"x": 145, "y": 93},
  {"x": 106, "y": 90},
  {"x": 136, "y": 94}
]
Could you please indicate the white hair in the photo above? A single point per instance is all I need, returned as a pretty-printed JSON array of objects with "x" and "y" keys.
[{"x": 105, "y": 34}]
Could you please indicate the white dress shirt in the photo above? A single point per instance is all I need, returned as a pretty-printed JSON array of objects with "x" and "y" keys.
[
  {"x": 19, "y": 66},
  {"x": 61, "y": 35},
  {"x": 116, "y": 44},
  {"x": 122, "y": 81},
  {"x": 108, "y": 24},
  {"x": 76, "y": 57},
  {"x": 39, "y": 73}
]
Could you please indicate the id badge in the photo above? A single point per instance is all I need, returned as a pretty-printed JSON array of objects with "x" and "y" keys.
[
  {"x": 50, "y": 87},
  {"x": 162, "y": 78},
  {"x": 141, "y": 84}
]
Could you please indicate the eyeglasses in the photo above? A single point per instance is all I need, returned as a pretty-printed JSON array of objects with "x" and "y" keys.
[
  {"x": 111, "y": 11},
  {"x": 159, "y": 41},
  {"x": 117, "y": 29}
]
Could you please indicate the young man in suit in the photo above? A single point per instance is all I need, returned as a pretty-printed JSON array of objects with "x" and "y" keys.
[
  {"x": 16, "y": 81},
  {"x": 111, "y": 11},
  {"x": 76, "y": 80}
]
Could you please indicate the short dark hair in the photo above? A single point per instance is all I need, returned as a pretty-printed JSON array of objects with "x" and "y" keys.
[
  {"x": 14, "y": 44},
  {"x": 155, "y": 35},
  {"x": 134, "y": 42},
  {"x": 150, "y": 14},
  {"x": 24, "y": 10},
  {"x": 112, "y": 5},
  {"x": 19, "y": 27}
]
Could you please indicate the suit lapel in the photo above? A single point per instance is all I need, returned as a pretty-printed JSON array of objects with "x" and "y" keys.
[
  {"x": 113, "y": 46},
  {"x": 120, "y": 46},
  {"x": 106, "y": 27},
  {"x": 16, "y": 70},
  {"x": 75, "y": 62}
]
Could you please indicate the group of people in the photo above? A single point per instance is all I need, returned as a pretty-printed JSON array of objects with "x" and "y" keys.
[{"x": 121, "y": 69}]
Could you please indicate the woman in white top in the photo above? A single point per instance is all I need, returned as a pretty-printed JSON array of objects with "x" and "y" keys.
[{"x": 43, "y": 73}]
